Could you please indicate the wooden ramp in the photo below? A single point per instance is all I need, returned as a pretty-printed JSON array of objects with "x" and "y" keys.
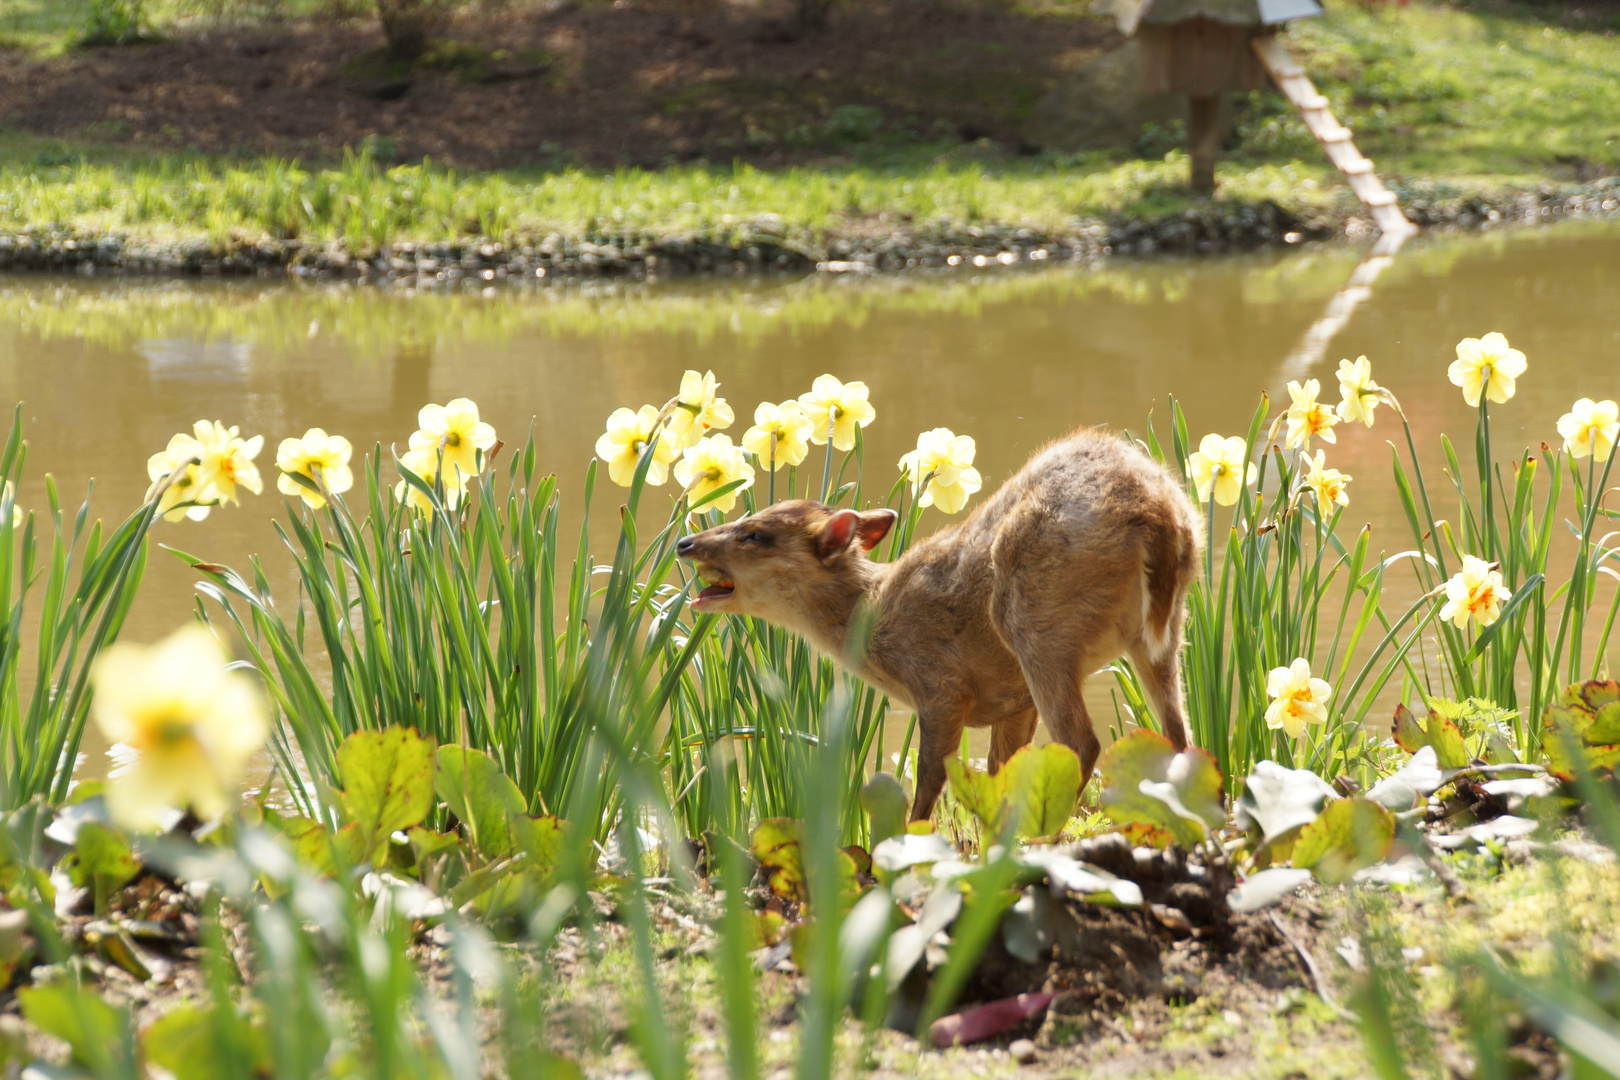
[{"x": 1334, "y": 137}]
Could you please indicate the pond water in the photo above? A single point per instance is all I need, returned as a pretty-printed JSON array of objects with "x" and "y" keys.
[{"x": 107, "y": 370}]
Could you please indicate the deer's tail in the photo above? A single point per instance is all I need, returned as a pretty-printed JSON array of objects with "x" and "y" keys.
[{"x": 1170, "y": 562}]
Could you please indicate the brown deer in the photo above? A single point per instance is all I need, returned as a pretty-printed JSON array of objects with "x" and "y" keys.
[{"x": 1082, "y": 557}]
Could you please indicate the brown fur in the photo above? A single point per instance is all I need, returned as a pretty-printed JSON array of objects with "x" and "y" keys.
[{"x": 1084, "y": 556}]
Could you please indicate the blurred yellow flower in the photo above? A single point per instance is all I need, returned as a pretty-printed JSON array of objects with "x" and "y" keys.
[
  {"x": 225, "y": 460},
  {"x": 1486, "y": 364},
  {"x": 10, "y": 492},
  {"x": 949, "y": 458},
  {"x": 1297, "y": 698},
  {"x": 1217, "y": 465},
  {"x": 181, "y": 458},
  {"x": 1329, "y": 484},
  {"x": 455, "y": 428},
  {"x": 1358, "y": 391},
  {"x": 697, "y": 411},
  {"x": 424, "y": 462},
  {"x": 1308, "y": 417},
  {"x": 316, "y": 452},
  {"x": 780, "y": 435},
  {"x": 713, "y": 463},
  {"x": 836, "y": 409},
  {"x": 191, "y": 724},
  {"x": 1590, "y": 428},
  {"x": 627, "y": 436},
  {"x": 1474, "y": 592}
]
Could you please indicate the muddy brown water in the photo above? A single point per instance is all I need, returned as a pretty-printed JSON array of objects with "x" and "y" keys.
[{"x": 108, "y": 369}]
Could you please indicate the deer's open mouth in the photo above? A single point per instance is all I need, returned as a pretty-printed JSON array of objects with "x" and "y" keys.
[{"x": 717, "y": 587}]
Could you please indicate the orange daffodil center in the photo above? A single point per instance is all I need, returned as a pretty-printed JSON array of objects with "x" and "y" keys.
[
  {"x": 1486, "y": 367},
  {"x": 1590, "y": 428},
  {"x": 1297, "y": 699},
  {"x": 1328, "y": 484},
  {"x": 1475, "y": 592},
  {"x": 1217, "y": 469},
  {"x": 944, "y": 460},
  {"x": 1308, "y": 417}
]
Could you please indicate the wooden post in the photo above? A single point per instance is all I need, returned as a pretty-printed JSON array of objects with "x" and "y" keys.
[{"x": 1203, "y": 139}]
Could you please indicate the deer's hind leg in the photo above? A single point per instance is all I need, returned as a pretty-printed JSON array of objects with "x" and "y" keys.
[{"x": 1161, "y": 681}]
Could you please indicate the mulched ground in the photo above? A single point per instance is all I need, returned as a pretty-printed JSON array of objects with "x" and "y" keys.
[{"x": 634, "y": 83}]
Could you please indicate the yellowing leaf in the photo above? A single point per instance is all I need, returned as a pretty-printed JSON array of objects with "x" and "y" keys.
[
  {"x": 1347, "y": 836},
  {"x": 1041, "y": 784},
  {"x": 982, "y": 795},
  {"x": 387, "y": 782}
]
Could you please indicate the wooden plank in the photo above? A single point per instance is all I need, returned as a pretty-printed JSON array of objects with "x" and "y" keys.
[{"x": 1335, "y": 138}]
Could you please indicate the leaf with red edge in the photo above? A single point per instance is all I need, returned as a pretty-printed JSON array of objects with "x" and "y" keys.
[{"x": 1409, "y": 734}]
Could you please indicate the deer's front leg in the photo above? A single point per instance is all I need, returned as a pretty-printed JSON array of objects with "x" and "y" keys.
[{"x": 941, "y": 734}]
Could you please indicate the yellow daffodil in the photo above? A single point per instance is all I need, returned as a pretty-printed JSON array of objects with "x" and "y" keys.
[
  {"x": 1308, "y": 417},
  {"x": 1217, "y": 466},
  {"x": 225, "y": 460},
  {"x": 1590, "y": 428},
  {"x": 191, "y": 725},
  {"x": 1486, "y": 365},
  {"x": 1328, "y": 484},
  {"x": 317, "y": 453},
  {"x": 836, "y": 409},
  {"x": 628, "y": 434},
  {"x": 1297, "y": 698},
  {"x": 454, "y": 427},
  {"x": 424, "y": 462},
  {"x": 713, "y": 463},
  {"x": 945, "y": 460},
  {"x": 181, "y": 458},
  {"x": 780, "y": 435},
  {"x": 1358, "y": 391},
  {"x": 1474, "y": 592},
  {"x": 697, "y": 411}
]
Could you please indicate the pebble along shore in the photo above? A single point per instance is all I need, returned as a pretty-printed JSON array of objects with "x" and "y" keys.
[{"x": 761, "y": 245}]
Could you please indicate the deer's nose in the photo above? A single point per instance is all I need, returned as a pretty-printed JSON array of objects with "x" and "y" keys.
[{"x": 685, "y": 545}]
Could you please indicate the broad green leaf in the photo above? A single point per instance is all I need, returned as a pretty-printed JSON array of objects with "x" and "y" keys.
[
  {"x": 1041, "y": 784},
  {"x": 1349, "y": 835},
  {"x": 185, "y": 1042},
  {"x": 1409, "y": 734},
  {"x": 884, "y": 801},
  {"x": 984, "y": 796},
  {"x": 1149, "y": 781},
  {"x": 1603, "y": 698},
  {"x": 775, "y": 846},
  {"x": 98, "y": 1034},
  {"x": 482, "y": 797},
  {"x": 540, "y": 839},
  {"x": 387, "y": 781},
  {"x": 1279, "y": 801},
  {"x": 1449, "y": 749},
  {"x": 101, "y": 861}
]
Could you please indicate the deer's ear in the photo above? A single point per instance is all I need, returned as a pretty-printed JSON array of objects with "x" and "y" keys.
[
  {"x": 874, "y": 526},
  {"x": 837, "y": 533}
]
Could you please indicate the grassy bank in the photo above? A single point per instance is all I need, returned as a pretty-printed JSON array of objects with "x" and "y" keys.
[{"x": 1464, "y": 112}]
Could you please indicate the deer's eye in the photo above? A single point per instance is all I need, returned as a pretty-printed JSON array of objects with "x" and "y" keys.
[{"x": 758, "y": 539}]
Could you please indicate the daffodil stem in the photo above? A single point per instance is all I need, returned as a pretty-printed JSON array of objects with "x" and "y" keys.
[{"x": 826, "y": 470}]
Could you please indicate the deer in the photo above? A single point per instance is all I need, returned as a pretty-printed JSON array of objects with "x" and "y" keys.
[{"x": 1083, "y": 556}]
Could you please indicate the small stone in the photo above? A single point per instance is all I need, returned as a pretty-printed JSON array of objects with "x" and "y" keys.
[{"x": 1023, "y": 1051}]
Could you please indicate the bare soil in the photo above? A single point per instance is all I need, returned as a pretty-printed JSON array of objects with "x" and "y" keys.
[{"x": 631, "y": 83}]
